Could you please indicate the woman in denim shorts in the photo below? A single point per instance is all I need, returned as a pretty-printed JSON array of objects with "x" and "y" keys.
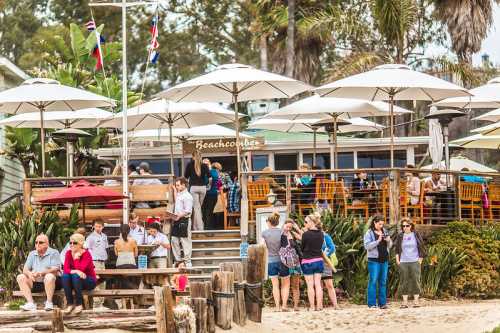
[
  {"x": 290, "y": 235},
  {"x": 312, "y": 260},
  {"x": 275, "y": 269}
]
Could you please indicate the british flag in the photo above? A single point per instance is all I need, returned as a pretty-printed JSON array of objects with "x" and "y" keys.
[
  {"x": 154, "y": 45},
  {"x": 97, "y": 50}
]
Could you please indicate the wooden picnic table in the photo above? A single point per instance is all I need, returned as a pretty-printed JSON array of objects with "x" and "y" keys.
[{"x": 147, "y": 275}]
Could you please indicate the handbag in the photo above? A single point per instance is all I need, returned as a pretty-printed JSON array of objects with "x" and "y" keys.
[
  {"x": 485, "y": 200},
  {"x": 219, "y": 206},
  {"x": 289, "y": 256},
  {"x": 180, "y": 228}
]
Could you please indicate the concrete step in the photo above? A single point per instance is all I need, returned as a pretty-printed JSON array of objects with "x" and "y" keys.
[
  {"x": 213, "y": 261},
  {"x": 205, "y": 269},
  {"x": 216, "y": 243},
  {"x": 215, "y": 252},
  {"x": 211, "y": 234}
]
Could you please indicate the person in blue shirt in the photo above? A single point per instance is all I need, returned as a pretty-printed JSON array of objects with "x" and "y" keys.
[
  {"x": 210, "y": 200},
  {"x": 328, "y": 249},
  {"x": 472, "y": 178}
]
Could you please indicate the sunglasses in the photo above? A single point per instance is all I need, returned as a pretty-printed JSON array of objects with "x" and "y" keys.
[
  {"x": 73, "y": 243},
  {"x": 39, "y": 242},
  {"x": 406, "y": 225}
]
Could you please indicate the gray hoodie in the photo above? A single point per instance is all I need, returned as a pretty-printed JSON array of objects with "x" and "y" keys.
[{"x": 371, "y": 241}]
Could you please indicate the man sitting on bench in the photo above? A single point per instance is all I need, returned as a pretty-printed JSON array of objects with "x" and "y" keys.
[{"x": 40, "y": 273}]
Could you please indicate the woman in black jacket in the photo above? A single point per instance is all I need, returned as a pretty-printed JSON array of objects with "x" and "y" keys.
[{"x": 409, "y": 256}]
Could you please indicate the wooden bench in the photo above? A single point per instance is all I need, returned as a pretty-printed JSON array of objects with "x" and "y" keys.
[{"x": 137, "y": 193}]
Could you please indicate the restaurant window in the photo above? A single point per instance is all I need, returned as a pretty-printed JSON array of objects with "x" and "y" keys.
[
  {"x": 345, "y": 160},
  {"x": 259, "y": 162},
  {"x": 161, "y": 166},
  {"x": 285, "y": 162},
  {"x": 381, "y": 159}
]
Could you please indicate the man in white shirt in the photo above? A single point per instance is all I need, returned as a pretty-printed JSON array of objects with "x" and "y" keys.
[
  {"x": 181, "y": 224},
  {"x": 137, "y": 232},
  {"x": 158, "y": 258},
  {"x": 97, "y": 244}
]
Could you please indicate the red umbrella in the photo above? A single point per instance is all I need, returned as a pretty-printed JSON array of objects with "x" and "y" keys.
[{"x": 83, "y": 192}]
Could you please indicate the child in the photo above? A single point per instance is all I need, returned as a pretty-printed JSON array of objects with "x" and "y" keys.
[{"x": 180, "y": 280}]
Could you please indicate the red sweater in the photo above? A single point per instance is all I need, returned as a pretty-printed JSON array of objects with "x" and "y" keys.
[{"x": 83, "y": 264}]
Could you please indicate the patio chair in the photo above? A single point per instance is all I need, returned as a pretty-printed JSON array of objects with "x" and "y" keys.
[
  {"x": 325, "y": 190},
  {"x": 419, "y": 207},
  {"x": 257, "y": 196},
  {"x": 340, "y": 193},
  {"x": 470, "y": 195},
  {"x": 494, "y": 198},
  {"x": 229, "y": 216}
]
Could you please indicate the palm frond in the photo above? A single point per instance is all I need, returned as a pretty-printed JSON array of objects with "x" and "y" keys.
[{"x": 355, "y": 63}]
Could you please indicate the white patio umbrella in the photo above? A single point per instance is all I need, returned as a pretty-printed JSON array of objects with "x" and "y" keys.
[
  {"x": 435, "y": 142},
  {"x": 163, "y": 134},
  {"x": 489, "y": 116},
  {"x": 491, "y": 129},
  {"x": 392, "y": 82},
  {"x": 43, "y": 95},
  {"x": 334, "y": 109},
  {"x": 159, "y": 113},
  {"x": 459, "y": 162},
  {"x": 483, "y": 97},
  {"x": 479, "y": 141},
  {"x": 233, "y": 83},
  {"x": 85, "y": 118}
]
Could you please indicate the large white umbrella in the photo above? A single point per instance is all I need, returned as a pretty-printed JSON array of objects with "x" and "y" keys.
[
  {"x": 392, "y": 82},
  {"x": 334, "y": 108},
  {"x": 233, "y": 83},
  {"x": 489, "y": 116},
  {"x": 460, "y": 162},
  {"x": 160, "y": 113},
  {"x": 491, "y": 129},
  {"x": 85, "y": 118},
  {"x": 483, "y": 97},
  {"x": 43, "y": 95},
  {"x": 435, "y": 142},
  {"x": 314, "y": 125},
  {"x": 163, "y": 134},
  {"x": 479, "y": 141}
]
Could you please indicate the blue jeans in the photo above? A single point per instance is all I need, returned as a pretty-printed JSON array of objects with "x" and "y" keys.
[
  {"x": 74, "y": 282},
  {"x": 377, "y": 276}
]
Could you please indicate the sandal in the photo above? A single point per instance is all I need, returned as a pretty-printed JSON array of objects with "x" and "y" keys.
[
  {"x": 416, "y": 305},
  {"x": 404, "y": 306}
]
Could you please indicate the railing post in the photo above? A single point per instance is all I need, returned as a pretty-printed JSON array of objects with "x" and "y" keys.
[
  {"x": 244, "y": 208},
  {"x": 27, "y": 195},
  {"x": 458, "y": 201},
  {"x": 288, "y": 194},
  {"x": 394, "y": 195}
]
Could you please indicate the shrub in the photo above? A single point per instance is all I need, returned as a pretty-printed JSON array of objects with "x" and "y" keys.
[
  {"x": 480, "y": 275},
  {"x": 17, "y": 238}
]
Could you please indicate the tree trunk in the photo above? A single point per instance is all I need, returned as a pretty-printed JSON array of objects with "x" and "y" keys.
[
  {"x": 290, "y": 40},
  {"x": 263, "y": 52}
]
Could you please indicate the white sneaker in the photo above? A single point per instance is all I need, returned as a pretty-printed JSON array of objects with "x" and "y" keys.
[
  {"x": 49, "y": 306},
  {"x": 101, "y": 308},
  {"x": 28, "y": 307}
]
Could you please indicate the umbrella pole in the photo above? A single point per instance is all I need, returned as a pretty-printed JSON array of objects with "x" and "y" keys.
[
  {"x": 83, "y": 213},
  {"x": 237, "y": 127},
  {"x": 172, "y": 171},
  {"x": 42, "y": 134},
  {"x": 391, "y": 122},
  {"x": 314, "y": 145},
  {"x": 68, "y": 172},
  {"x": 446, "y": 153},
  {"x": 336, "y": 150}
]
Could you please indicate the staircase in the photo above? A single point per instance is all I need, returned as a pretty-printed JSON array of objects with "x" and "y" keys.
[{"x": 211, "y": 247}]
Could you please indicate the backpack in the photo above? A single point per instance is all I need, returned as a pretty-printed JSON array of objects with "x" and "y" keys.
[{"x": 289, "y": 256}]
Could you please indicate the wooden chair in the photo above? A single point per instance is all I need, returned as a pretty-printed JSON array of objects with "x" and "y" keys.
[
  {"x": 340, "y": 193},
  {"x": 494, "y": 198},
  {"x": 403, "y": 198},
  {"x": 257, "y": 196},
  {"x": 229, "y": 215},
  {"x": 419, "y": 207},
  {"x": 383, "y": 198},
  {"x": 325, "y": 191},
  {"x": 470, "y": 195}
]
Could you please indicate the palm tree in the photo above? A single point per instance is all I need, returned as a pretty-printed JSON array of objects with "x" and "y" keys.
[
  {"x": 290, "y": 39},
  {"x": 468, "y": 23}
]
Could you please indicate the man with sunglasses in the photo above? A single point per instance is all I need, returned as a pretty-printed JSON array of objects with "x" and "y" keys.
[{"x": 40, "y": 274}]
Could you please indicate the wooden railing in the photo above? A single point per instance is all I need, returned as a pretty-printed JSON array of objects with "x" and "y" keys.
[{"x": 393, "y": 197}]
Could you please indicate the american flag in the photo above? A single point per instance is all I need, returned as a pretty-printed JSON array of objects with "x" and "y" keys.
[
  {"x": 154, "y": 41},
  {"x": 97, "y": 51}
]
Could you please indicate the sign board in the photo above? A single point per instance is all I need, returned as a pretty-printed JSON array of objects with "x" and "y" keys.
[
  {"x": 261, "y": 215},
  {"x": 244, "y": 250},
  {"x": 221, "y": 145}
]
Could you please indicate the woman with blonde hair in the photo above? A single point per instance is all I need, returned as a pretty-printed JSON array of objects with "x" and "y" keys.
[
  {"x": 78, "y": 273},
  {"x": 197, "y": 174},
  {"x": 312, "y": 260}
]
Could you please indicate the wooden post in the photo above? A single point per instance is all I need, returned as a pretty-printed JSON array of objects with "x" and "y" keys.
[
  {"x": 244, "y": 207},
  {"x": 164, "y": 306},
  {"x": 256, "y": 271},
  {"x": 288, "y": 194},
  {"x": 223, "y": 294},
  {"x": 239, "y": 310},
  {"x": 457, "y": 196},
  {"x": 57, "y": 321},
  {"x": 200, "y": 309},
  {"x": 27, "y": 195},
  {"x": 394, "y": 195},
  {"x": 204, "y": 290}
]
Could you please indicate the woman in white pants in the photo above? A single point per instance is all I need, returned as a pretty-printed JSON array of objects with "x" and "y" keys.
[{"x": 198, "y": 175}]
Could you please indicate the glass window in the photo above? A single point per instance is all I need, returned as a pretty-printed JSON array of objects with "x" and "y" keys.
[
  {"x": 381, "y": 159},
  {"x": 345, "y": 159},
  {"x": 285, "y": 161},
  {"x": 259, "y": 162},
  {"x": 161, "y": 166}
]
